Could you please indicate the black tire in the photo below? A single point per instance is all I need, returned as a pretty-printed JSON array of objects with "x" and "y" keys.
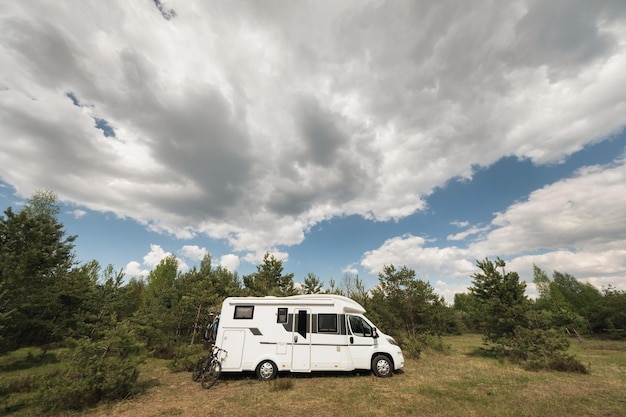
[
  {"x": 211, "y": 375},
  {"x": 382, "y": 366},
  {"x": 266, "y": 371},
  {"x": 198, "y": 370}
]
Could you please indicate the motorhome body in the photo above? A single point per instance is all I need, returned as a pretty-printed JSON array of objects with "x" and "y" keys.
[{"x": 303, "y": 333}]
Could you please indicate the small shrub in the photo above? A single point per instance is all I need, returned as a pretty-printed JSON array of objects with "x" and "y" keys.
[
  {"x": 185, "y": 358},
  {"x": 435, "y": 343},
  {"x": 560, "y": 363},
  {"x": 94, "y": 371},
  {"x": 411, "y": 348},
  {"x": 568, "y": 363},
  {"x": 164, "y": 352},
  {"x": 282, "y": 384}
]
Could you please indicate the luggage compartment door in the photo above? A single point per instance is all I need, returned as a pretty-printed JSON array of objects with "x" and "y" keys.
[{"x": 233, "y": 343}]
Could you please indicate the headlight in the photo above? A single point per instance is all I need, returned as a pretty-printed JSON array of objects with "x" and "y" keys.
[{"x": 393, "y": 342}]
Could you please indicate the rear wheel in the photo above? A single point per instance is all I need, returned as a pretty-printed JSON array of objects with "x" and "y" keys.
[
  {"x": 210, "y": 376},
  {"x": 382, "y": 366},
  {"x": 266, "y": 370},
  {"x": 199, "y": 368}
]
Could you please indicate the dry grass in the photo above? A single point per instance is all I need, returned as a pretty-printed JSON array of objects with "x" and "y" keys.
[{"x": 460, "y": 384}]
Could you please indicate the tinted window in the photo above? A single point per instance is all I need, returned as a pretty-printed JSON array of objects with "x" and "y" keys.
[
  {"x": 244, "y": 312},
  {"x": 327, "y": 323},
  {"x": 282, "y": 315},
  {"x": 360, "y": 327},
  {"x": 303, "y": 323}
]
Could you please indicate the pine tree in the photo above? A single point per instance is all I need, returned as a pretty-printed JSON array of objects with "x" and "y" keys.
[
  {"x": 269, "y": 279},
  {"x": 36, "y": 259}
]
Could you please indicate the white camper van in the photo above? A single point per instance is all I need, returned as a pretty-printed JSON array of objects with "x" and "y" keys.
[{"x": 302, "y": 333}]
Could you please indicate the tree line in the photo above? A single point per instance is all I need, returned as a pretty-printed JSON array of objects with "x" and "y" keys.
[{"x": 48, "y": 299}]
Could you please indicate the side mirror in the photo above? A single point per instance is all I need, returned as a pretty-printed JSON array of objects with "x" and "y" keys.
[{"x": 374, "y": 333}]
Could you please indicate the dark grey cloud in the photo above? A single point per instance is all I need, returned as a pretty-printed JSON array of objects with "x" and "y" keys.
[
  {"x": 260, "y": 114},
  {"x": 49, "y": 149},
  {"x": 564, "y": 35},
  {"x": 45, "y": 53},
  {"x": 322, "y": 167},
  {"x": 321, "y": 132},
  {"x": 200, "y": 140}
]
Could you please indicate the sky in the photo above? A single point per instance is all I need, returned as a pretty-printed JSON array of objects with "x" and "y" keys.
[{"x": 338, "y": 136}]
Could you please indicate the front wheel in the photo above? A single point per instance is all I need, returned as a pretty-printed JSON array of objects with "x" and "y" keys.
[
  {"x": 266, "y": 370},
  {"x": 210, "y": 376},
  {"x": 382, "y": 366}
]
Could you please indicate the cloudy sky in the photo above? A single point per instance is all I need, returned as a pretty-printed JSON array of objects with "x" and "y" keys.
[{"x": 341, "y": 136}]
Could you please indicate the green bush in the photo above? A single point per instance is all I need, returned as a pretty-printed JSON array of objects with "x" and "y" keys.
[
  {"x": 95, "y": 371},
  {"x": 411, "y": 348},
  {"x": 435, "y": 343},
  {"x": 559, "y": 363},
  {"x": 538, "y": 343},
  {"x": 186, "y": 357},
  {"x": 567, "y": 363}
]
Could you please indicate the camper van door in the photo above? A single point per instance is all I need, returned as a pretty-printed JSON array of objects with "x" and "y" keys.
[
  {"x": 361, "y": 341},
  {"x": 301, "y": 337}
]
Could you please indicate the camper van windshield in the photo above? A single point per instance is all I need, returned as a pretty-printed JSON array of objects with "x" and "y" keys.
[{"x": 360, "y": 327}]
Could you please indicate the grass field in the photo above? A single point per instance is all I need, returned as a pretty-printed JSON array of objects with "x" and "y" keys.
[{"x": 462, "y": 383}]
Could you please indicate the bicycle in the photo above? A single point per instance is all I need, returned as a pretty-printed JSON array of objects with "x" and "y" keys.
[
  {"x": 208, "y": 368},
  {"x": 200, "y": 368},
  {"x": 209, "y": 336}
]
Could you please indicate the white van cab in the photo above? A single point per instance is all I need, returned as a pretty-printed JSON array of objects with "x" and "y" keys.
[{"x": 302, "y": 333}]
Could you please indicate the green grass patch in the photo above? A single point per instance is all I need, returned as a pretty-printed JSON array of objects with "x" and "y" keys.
[
  {"x": 458, "y": 383},
  {"x": 21, "y": 373}
]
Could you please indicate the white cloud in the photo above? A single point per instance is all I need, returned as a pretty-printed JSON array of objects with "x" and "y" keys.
[
  {"x": 576, "y": 225},
  {"x": 182, "y": 266},
  {"x": 256, "y": 258},
  {"x": 410, "y": 251},
  {"x": 254, "y": 124},
  {"x": 586, "y": 210},
  {"x": 230, "y": 262},
  {"x": 469, "y": 232},
  {"x": 351, "y": 270},
  {"x": 133, "y": 269},
  {"x": 78, "y": 213},
  {"x": 448, "y": 290},
  {"x": 152, "y": 259},
  {"x": 193, "y": 252},
  {"x": 156, "y": 255},
  {"x": 460, "y": 223}
]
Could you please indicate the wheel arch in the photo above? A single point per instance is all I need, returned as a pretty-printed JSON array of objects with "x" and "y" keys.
[
  {"x": 265, "y": 373},
  {"x": 384, "y": 371},
  {"x": 387, "y": 355}
]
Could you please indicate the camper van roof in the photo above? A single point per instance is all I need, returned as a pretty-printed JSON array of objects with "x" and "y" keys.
[{"x": 308, "y": 299}]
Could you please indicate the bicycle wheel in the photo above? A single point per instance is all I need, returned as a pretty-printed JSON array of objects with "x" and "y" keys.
[
  {"x": 210, "y": 376},
  {"x": 198, "y": 370}
]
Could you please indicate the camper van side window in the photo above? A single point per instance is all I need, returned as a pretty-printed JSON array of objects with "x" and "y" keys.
[
  {"x": 244, "y": 312},
  {"x": 327, "y": 323},
  {"x": 282, "y": 315},
  {"x": 360, "y": 327}
]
